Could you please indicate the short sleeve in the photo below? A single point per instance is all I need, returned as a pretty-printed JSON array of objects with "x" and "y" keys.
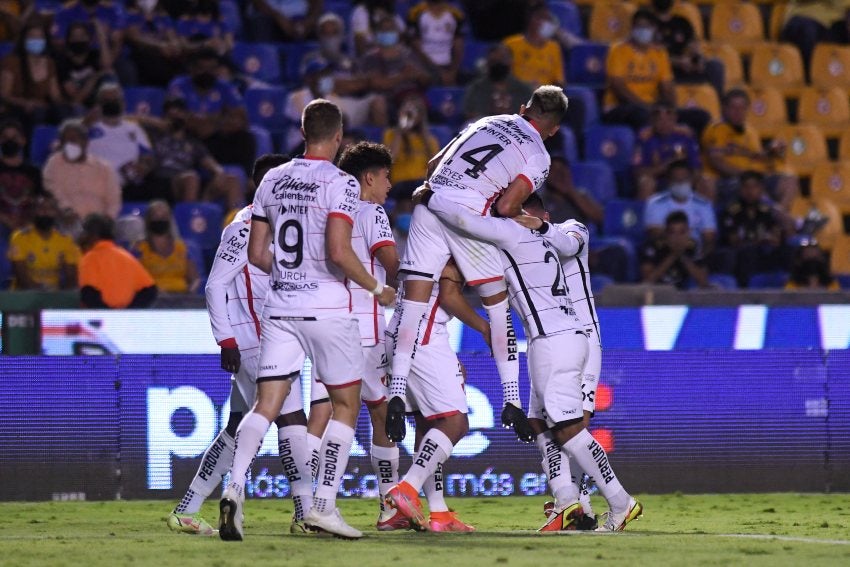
[
  {"x": 142, "y": 278},
  {"x": 615, "y": 64},
  {"x": 258, "y": 211},
  {"x": 376, "y": 228},
  {"x": 710, "y": 217},
  {"x": 665, "y": 70},
  {"x": 654, "y": 215},
  {"x": 343, "y": 197},
  {"x": 70, "y": 252},
  {"x": 16, "y": 252},
  {"x": 536, "y": 170}
]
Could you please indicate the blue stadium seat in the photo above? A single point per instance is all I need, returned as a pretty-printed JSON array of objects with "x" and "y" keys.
[
  {"x": 445, "y": 105},
  {"x": 624, "y": 217},
  {"x": 43, "y": 137},
  {"x": 230, "y": 13},
  {"x": 598, "y": 282},
  {"x": 775, "y": 280},
  {"x": 596, "y": 178},
  {"x": 196, "y": 256},
  {"x": 134, "y": 208},
  {"x": 612, "y": 144},
  {"x": 263, "y": 139},
  {"x": 341, "y": 8},
  {"x": 5, "y": 264},
  {"x": 200, "y": 223},
  {"x": 145, "y": 101},
  {"x": 585, "y": 114},
  {"x": 259, "y": 61},
  {"x": 291, "y": 54},
  {"x": 266, "y": 106},
  {"x": 570, "y": 146},
  {"x": 586, "y": 65},
  {"x": 723, "y": 281},
  {"x": 568, "y": 14},
  {"x": 372, "y": 133},
  {"x": 237, "y": 172},
  {"x": 474, "y": 53},
  {"x": 6, "y": 47},
  {"x": 843, "y": 280},
  {"x": 626, "y": 248},
  {"x": 443, "y": 133}
]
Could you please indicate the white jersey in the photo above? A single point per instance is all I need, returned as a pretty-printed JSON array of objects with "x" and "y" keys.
[
  {"x": 486, "y": 157},
  {"x": 433, "y": 321},
  {"x": 296, "y": 199},
  {"x": 236, "y": 290},
  {"x": 577, "y": 275},
  {"x": 371, "y": 232}
]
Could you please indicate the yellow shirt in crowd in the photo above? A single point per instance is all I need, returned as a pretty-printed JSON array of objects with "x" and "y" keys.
[
  {"x": 643, "y": 71},
  {"x": 738, "y": 147},
  {"x": 411, "y": 164},
  {"x": 536, "y": 65},
  {"x": 169, "y": 272},
  {"x": 44, "y": 257}
]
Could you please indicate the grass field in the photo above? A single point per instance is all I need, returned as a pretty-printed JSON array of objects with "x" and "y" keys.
[{"x": 745, "y": 529}]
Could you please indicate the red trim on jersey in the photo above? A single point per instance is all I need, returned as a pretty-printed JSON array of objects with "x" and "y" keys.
[
  {"x": 427, "y": 336},
  {"x": 381, "y": 244},
  {"x": 375, "y": 403},
  {"x": 228, "y": 343},
  {"x": 442, "y": 415},
  {"x": 340, "y": 386},
  {"x": 527, "y": 180},
  {"x": 374, "y": 302},
  {"x": 489, "y": 204},
  {"x": 250, "y": 299},
  {"x": 316, "y": 158},
  {"x": 485, "y": 280},
  {"x": 342, "y": 216}
]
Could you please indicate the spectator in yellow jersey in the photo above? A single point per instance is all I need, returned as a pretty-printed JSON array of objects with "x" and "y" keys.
[
  {"x": 164, "y": 254},
  {"x": 436, "y": 29},
  {"x": 809, "y": 22},
  {"x": 411, "y": 144},
  {"x": 42, "y": 257},
  {"x": 537, "y": 55}
]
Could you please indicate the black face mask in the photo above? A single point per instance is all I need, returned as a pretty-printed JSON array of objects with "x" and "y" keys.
[
  {"x": 498, "y": 71},
  {"x": 178, "y": 124},
  {"x": 78, "y": 47},
  {"x": 812, "y": 268},
  {"x": 91, "y": 3},
  {"x": 159, "y": 226},
  {"x": 10, "y": 148},
  {"x": 111, "y": 108},
  {"x": 204, "y": 81},
  {"x": 43, "y": 223},
  {"x": 662, "y": 5}
]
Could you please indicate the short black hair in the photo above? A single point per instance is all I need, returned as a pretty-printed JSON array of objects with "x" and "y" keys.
[
  {"x": 361, "y": 157},
  {"x": 534, "y": 201},
  {"x": 549, "y": 102},
  {"x": 735, "y": 93},
  {"x": 264, "y": 163},
  {"x": 679, "y": 164},
  {"x": 751, "y": 175},
  {"x": 204, "y": 54},
  {"x": 101, "y": 227},
  {"x": 644, "y": 14},
  {"x": 12, "y": 123},
  {"x": 320, "y": 120},
  {"x": 174, "y": 101},
  {"x": 676, "y": 217}
]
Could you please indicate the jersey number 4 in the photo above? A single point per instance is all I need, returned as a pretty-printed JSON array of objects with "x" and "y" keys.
[
  {"x": 296, "y": 248},
  {"x": 478, "y": 161}
]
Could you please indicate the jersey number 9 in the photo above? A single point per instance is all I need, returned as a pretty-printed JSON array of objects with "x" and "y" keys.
[{"x": 296, "y": 248}]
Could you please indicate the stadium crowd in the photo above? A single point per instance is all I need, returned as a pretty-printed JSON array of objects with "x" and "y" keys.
[{"x": 705, "y": 145}]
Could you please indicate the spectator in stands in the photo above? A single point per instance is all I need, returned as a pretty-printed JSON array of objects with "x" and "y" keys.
[
  {"x": 680, "y": 196},
  {"x": 201, "y": 27},
  {"x": 102, "y": 260},
  {"x": 82, "y": 183},
  {"x": 155, "y": 47},
  {"x": 121, "y": 143},
  {"x": 20, "y": 181},
  {"x": 686, "y": 57},
  {"x": 565, "y": 201},
  {"x": 12, "y": 14},
  {"x": 283, "y": 20},
  {"x": 809, "y": 22},
  {"x": 42, "y": 257},
  {"x": 217, "y": 113},
  {"x": 674, "y": 257},
  {"x": 81, "y": 67},
  {"x": 163, "y": 253},
  {"x": 752, "y": 231},
  {"x": 660, "y": 145},
  {"x": 435, "y": 28},
  {"x": 29, "y": 83},
  {"x": 732, "y": 147},
  {"x": 497, "y": 90},
  {"x": 810, "y": 269},
  {"x": 411, "y": 144},
  {"x": 537, "y": 58},
  {"x": 364, "y": 20}
]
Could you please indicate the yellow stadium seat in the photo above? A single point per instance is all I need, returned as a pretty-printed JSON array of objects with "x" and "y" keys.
[
  {"x": 805, "y": 147},
  {"x": 831, "y": 182},
  {"x": 699, "y": 96},
  {"x": 768, "y": 112},
  {"x": 731, "y": 59},
  {"x": 691, "y": 13},
  {"x": 778, "y": 65},
  {"x": 828, "y": 108},
  {"x": 777, "y": 20},
  {"x": 831, "y": 65},
  {"x": 829, "y": 234},
  {"x": 839, "y": 259},
  {"x": 736, "y": 23},
  {"x": 610, "y": 21}
]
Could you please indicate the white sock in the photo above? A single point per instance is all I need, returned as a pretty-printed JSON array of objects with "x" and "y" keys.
[
  {"x": 503, "y": 341},
  {"x": 434, "y": 492},
  {"x": 557, "y": 469},
  {"x": 385, "y": 465},
  {"x": 215, "y": 464},
  {"x": 249, "y": 437},
  {"x": 294, "y": 456},
  {"x": 578, "y": 480},
  {"x": 336, "y": 446},
  {"x": 434, "y": 450},
  {"x": 405, "y": 345},
  {"x": 314, "y": 444},
  {"x": 591, "y": 457}
]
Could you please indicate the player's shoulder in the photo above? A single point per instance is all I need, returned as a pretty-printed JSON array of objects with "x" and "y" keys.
[
  {"x": 573, "y": 225},
  {"x": 242, "y": 217}
]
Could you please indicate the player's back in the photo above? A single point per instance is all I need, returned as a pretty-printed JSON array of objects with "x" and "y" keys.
[
  {"x": 297, "y": 199},
  {"x": 486, "y": 157},
  {"x": 371, "y": 232},
  {"x": 577, "y": 274}
]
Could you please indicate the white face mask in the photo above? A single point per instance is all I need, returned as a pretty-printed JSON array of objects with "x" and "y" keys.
[
  {"x": 147, "y": 6},
  {"x": 326, "y": 85},
  {"x": 547, "y": 29},
  {"x": 681, "y": 191},
  {"x": 643, "y": 36},
  {"x": 72, "y": 151}
]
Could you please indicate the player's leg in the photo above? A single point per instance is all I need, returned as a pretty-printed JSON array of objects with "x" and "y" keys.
[
  {"x": 317, "y": 421},
  {"x": 294, "y": 454},
  {"x": 589, "y": 385}
]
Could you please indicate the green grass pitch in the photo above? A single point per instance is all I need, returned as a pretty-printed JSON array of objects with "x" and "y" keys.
[{"x": 739, "y": 529}]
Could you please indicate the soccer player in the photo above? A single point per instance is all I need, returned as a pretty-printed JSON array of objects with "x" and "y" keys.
[
  {"x": 306, "y": 209},
  {"x": 557, "y": 352},
  {"x": 496, "y": 155}
]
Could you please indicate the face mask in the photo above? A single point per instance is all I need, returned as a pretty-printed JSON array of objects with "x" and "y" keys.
[
  {"x": 326, "y": 85},
  {"x": 10, "y": 148},
  {"x": 331, "y": 44},
  {"x": 643, "y": 36},
  {"x": 35, "y": 45},
  {"x": 78, "y": 47},
  {"x": 204, "y": 81},
  {"x": 402, "y": 222},
  {"x": 386, "y": 38},
  {"x": 662, "y": 6},
  {"x": 111, "y": 108},
  {"x": 159, "y": 226},
  {"x": 681, "y": 191},
  {"x": 498, "y": 72},
  {"x": 146, "y": 6},
  {"x": 547, "y": 29},
  {"x": 43, "y": 223},
  {"x": 178, "y": 123},
  {"x": 72, "y": 151}
]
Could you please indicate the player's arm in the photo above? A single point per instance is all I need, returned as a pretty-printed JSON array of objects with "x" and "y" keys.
[
  {"x": 340, "y": 252},
  {"x": 388, "y": 257},
  {"x": 452, "y": 300},
  {"x": 259, "y": 244},
  {"x": 378, "y": 233},
  {"x": 504, "y": 233},
  {"x": 510, "y": 203},
  {"x": 229, "y": 264},
  {"x": 564, "y": 240}
]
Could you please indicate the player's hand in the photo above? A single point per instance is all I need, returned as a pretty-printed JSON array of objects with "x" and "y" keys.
[
  {"x": 516, "y": 419},
  {"x": 529, "y": 221},
  {"x": 231, "y": 360},
  {"x": 396, "y": 425},
  {"x": 422, "y": 194},
  {"x": 387, "y": 296}
]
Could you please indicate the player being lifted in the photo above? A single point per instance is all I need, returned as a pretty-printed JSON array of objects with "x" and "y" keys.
[
  {"x": 557, "y": 352},
  {"x": 306, "y": 209},
  {"x": 498, "y": 155}
]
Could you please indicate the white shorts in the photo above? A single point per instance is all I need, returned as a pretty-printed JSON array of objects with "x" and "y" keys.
[
  {"x": 430, "y": 244},
  {"x": 590, "y": 375},
  {"x": 243, "y": 385},
  {"x": 376, "y": 379},
  {"x": 435, "y": 384},
  {"x": 295, "y": 399},
  {"x": 332, "y": 344},
  {"x": 555, "y": 368}
]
